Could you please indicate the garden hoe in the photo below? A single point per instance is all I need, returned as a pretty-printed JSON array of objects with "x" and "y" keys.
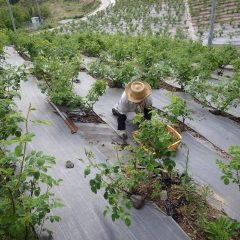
[{"x": 67, "y": 120}]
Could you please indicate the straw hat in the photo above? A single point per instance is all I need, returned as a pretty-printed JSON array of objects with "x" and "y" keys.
[{"x": 137, "y": 91}]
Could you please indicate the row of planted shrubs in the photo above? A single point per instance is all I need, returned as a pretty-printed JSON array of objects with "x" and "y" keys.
[
  {"x": 51, "y": 54},
  {"x": 56, "y": 61},
  {"x": 147, "y": 171},
  {"x": 155, "y": 59},
  {"x": 123, "y": 58},
  {"x": 26, "y": 196}
]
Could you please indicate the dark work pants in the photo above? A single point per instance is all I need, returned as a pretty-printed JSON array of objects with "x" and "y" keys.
[{"x": 121, "y": 118}]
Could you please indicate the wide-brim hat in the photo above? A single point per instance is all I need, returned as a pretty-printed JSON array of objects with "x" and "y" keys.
[{"x": 137, "y": 91}]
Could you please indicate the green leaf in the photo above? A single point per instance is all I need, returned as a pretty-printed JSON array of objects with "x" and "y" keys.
[
  {"x": 37, "y": 193},
  {"x": 127, "y": 221},
  {"x": 38, "y": 154},
  {"x": 87, "y": 171},
  {"x": 18, "y": 134},
  {"x": 115, "y": 169},
  {"x": 111, "y": 200},
  {"x": 92, "y": 182},
  {"x": 94, "y": 189},
  {"x": 40, "y": 162},
  {"x": 128, "y": 204},
  {"x": 112, "y": 190},
  {"x": 98, "y": 185},
  {"x": 226, "y": 181},
  {"x": 18, "y": 149},
  {"x": 105, "y": 195},
  {"x": 115, "y": 216},
  {"x": 36, "y": 175},
  {"x": 55, "y": 218},
  {"x": 27, "y": 137},
  {"x": 45, "y": 122},
  {"x": 105, "y": 212}
]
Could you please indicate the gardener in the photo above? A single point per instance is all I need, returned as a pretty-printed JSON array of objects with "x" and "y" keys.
[{"x": 135, "y": 97}]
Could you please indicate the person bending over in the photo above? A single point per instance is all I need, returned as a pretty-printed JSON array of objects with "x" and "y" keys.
[{"x": 136, "y": 96}]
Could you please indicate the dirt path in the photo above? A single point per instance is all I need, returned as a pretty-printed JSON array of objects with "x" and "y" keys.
[
  {"x": 104, "y": 5},
  {"x": 189, "y": 24}
]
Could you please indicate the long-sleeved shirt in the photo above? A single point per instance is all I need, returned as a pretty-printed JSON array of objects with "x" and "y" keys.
[{"x": 124, "y": 105}]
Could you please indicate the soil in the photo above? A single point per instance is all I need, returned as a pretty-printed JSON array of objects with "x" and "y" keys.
[
  {"x": 217, "y": 112},
  {"x": 224, "y": 114},
  {"x": 109, "y": 81},
  {"x": 78, "y": 116},
  {"x": 168, "y": 87},
  {"x": 86, "y": 118},
  {"x": 184, "y": 211},
  {"x": 24, "y": 56}
]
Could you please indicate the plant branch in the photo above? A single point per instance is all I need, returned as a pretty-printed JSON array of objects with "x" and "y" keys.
[
  {"x": 12, "y": 200},
  {"x": 25, "y": 146}
]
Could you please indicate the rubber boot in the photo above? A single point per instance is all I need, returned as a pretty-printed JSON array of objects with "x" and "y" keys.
[
  {"x": 122, "y": 126},
  {"x": 122, "y": 121}
]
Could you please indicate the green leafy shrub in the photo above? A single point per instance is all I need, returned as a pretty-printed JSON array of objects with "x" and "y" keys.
[
  {"x": 119, "y": 181},
  {"x": 222, "y": 228},
  {"x": 122, "y": 49},
  {"x": 155, "y": 138},
  {"x": 20, "y": 14},
  {"x": 26, "y": 198},
  {"x": 56, "y": 63},
  {"x": 10, "y": 78},
  {"x": 96, "y": 91},
  {"x": 226, "y": 93},
  {"x": 101, "y": 70},
  {"x": 152, "y": 59},
  {"x": 231, "y": 170},
  {"x": 178, "y": 109},
  {"x": 147, "y": 56},
  {"x": 111, "y": 179},
  {"x": 124, "y": 74},
  {"x": 226, "y": 55},
  {"x": 57, "y": 77},
  {"x": 91, "y": 47},
  {"x": 25, "y": 194},
  {"x": 3, "y": 40},
  {"x": 157, "y": 73}
]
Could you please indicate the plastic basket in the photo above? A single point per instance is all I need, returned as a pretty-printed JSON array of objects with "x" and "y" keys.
[{"x": 173, "y": 146}]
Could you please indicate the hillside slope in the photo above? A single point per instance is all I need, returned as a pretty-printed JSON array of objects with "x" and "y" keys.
[
  {"x": 170, "y": 17},
  {"x": 131, "y": 16},
  {"x": 51, "y": 11},
  {"x": 227, "y": 20}
]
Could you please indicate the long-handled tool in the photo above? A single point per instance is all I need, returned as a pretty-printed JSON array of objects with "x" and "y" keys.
[{"x": 67, "y": 120}]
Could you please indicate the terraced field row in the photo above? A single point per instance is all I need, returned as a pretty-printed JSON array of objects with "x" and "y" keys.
[
  {"x": 135, "y": 17},
  {"x": 227, "y": 20}
]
